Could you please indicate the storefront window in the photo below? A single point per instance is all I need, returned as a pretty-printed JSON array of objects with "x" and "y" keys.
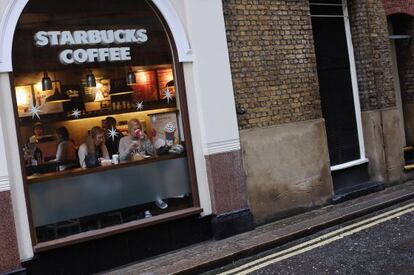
[{"x": 98, "y": 113}]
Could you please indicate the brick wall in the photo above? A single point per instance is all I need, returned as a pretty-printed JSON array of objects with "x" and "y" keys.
[
  {"x": 272, "y": 61},
  {"x": 372, "y": 54},
  {"x": 399, "y": 6},
  {"x": 405, "y": 54}
]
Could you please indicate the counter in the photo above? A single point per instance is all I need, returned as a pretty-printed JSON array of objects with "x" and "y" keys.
[{"x": 84, "y": 171}]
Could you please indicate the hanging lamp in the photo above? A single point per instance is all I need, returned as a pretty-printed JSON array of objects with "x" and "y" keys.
[
  {"x": 90, "y": 80},
  {"x": 46, "y": 83},
  {"x": 57, "y": 97},
  {"x": 130, "y": 78}
]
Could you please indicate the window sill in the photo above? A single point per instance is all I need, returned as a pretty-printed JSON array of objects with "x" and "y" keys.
[{"x": 112, "y": 230}]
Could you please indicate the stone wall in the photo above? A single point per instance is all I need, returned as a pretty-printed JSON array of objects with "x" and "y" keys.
[
  {"x": 287, "y": 168},
  {"x": 372, "y": 54},
  {"x": 272, "y": 61}
]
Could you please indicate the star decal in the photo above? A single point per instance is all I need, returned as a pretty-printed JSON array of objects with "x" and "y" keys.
[
  {"x": 154, "y": 118},
  {"x": 139, "y": 106},
  {"x": 112, "y": 133},
  {"x": 76, "y": 113},
  {"x": 34, "y": 111},
  {"x": 167, "y": 94}
]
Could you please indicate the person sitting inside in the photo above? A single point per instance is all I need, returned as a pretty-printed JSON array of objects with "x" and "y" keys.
[
  {"x": 112, "y": 141},
  {"x": 93, "y": 150},
  {"x": 66, "y": 150},
  {"x": 37, "y": 132},
  {"x": 136, "y": 145}
]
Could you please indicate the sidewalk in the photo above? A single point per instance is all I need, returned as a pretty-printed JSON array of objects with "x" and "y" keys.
[{"x": 207, "y": 255}]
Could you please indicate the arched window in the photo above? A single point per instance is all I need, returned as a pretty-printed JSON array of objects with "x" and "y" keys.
[{"x": 101, "y": 117}]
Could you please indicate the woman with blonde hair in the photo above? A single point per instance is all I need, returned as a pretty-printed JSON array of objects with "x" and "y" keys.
[
  {"x": 136, "y": 145},
  {"x": 93, "y": 149}
]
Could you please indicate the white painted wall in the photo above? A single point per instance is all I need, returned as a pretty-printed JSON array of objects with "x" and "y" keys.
[
  {"x": 3, "y": 4},
  {"x": 12, "y": 156},
  {"x": 4, "y": 174},
  {"x": 211, "y": 74}
]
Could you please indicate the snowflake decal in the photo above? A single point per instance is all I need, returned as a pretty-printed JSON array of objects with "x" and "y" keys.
[
  {"x": 167, "y": 94},
  {"x": 76, "y": 113},
  {"x": 139, "y": 106},
  {"x": 112, "y": 133},
  {"x": 34, "y": 111}
]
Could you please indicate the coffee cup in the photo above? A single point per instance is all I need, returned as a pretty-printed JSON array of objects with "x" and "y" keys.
[{"x": 115, "y": 159}]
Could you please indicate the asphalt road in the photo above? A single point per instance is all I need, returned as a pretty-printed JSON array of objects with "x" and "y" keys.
[{"x": 384, "y": 245}]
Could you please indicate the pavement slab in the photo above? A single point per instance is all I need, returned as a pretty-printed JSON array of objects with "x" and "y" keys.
[{"x": 213, "y": 253}]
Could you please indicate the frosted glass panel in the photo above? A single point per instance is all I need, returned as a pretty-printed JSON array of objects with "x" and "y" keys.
[{"x": 78, "y": 196}]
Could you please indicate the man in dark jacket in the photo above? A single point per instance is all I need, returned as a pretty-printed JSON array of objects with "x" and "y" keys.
[{"x": 113, "y": 135}]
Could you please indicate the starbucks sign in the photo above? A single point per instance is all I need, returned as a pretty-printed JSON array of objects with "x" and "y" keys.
[{"x": 92, "y": 37}]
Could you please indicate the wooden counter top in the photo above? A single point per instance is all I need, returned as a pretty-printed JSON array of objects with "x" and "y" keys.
[{"x": 84, "y": 171}]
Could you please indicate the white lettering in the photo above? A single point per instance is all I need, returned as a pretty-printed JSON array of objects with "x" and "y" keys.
[
  {"x": 66, "y": 38},
  {"x": 94, "y": 37},
  {"x": 53, "y": 38},
  {"x": 125, "y": 54},
  {"x": 130, "y": 36},
  {"x": 114, "y": 54},
  {"x": 81, "y": 37},
  {"x": 65, "y": 57},
  {"x": 103, "y": 54},
  {"x": 90, "y": 37},
  {"x": 41, "y": 39},
  {"x": 107, "y": 37},
  {"x": 119, "y": 36},
  {"x": 92, "y": 54},
  {"x": 80, "y": 56},
  {"x": 141, "y": 35}
]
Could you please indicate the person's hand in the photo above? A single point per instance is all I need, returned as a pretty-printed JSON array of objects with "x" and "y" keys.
[{"x": 134, "y": 145}]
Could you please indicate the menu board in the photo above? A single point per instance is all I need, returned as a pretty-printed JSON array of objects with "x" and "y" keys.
[
  {"x": 40, "y": 99},
  {"x": 24, "y": 98}
]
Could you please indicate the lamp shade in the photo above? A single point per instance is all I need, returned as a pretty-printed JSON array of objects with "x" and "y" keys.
[
  {"x": 46, "y": 83},
  {"x": 90, "y": 80},
  {"x": 170, "y": 83},
  {"x": 120, "y": 87},
  {"x": 130, "y": 78},
  {"x": 57, "y": 97}
]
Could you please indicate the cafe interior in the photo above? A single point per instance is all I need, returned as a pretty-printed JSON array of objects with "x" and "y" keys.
[{"x": 79, "y": 96}]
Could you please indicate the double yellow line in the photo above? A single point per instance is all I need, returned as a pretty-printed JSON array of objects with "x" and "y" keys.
[{"x": 320, "y": 241}]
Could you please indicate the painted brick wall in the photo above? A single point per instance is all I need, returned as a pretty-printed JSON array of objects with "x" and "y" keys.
[
  {"x": 272, "y": 61},
  {"x": 399, "y": 6},
  {"x": 372, "y": 54}
]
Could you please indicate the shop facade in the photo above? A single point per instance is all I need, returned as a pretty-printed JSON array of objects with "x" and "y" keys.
[
  {"x": 279, "y": 107},
  {"x": 146, "y": 67}
]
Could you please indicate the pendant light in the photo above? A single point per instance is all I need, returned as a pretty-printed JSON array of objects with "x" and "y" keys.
[
  {"x": 57, "y": 97},
  {"x": 130, "y": 78},
  {"x": 46, "y": 83},
  {"x": 90, "y": 80}
]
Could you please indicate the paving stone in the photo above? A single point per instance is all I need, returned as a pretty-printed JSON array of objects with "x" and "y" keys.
[{"x": 212, "y": 253}]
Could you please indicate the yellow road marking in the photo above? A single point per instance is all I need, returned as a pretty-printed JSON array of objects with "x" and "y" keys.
[{"x": 320, "y": 241}]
